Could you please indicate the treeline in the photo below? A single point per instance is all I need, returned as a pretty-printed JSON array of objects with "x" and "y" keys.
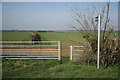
[
  {"x": 25, "y": 31},
  {"x": 52, "y": 31}
]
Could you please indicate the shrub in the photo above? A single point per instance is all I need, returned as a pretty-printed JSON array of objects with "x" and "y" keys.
[
  {"x": 109, "y": 50},
  {"x": 34, "y": 36}
]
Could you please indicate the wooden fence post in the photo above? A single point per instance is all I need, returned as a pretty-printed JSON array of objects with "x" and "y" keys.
[
  {"x": 71, "y": 47},
  {"x": 59, "y": 50}
]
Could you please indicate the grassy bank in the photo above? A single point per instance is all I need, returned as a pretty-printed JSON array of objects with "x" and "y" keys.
[{"x": 53, "y": 69}]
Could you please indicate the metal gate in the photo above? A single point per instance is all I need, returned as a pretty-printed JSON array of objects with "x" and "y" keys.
[
  {"x": 73, "y": 51},
  {"x": 30, "y": 49}
]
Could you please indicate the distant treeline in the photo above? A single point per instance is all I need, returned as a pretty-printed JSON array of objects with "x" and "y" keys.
[
  {"x": 49, "y": 31},
  {"x": 24, "y": 31}
]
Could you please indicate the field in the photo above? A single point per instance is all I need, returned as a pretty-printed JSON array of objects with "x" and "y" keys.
[
  {"x": 53, "y": 68},
  {"x": 66, "y": 38}
]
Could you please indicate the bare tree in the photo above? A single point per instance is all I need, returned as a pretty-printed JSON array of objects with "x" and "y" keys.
[{"x": 85, "y": 20}]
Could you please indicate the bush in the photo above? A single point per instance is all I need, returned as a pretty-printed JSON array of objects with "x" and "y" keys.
[
  {"x": 109, "y": 42},
  {"x": 34, "y": 36},
  {"x": 109, "y": 51}
]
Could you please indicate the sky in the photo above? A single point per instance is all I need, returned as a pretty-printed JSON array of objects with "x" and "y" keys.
[
  {"x": 46, "y": 15},
  {"x": 59, "y": 0},
  {"x": 0, "y": 16}
]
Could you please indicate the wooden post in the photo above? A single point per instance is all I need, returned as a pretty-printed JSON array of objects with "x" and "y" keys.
[
  {"x": 71, "y": 52},
  {"x": 59, "y": 50}
]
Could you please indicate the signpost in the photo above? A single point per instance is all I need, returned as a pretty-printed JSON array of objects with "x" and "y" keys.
[{"x": 97, "y": 19}]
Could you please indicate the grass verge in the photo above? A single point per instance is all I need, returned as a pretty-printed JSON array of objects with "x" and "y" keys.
[{"x": 54, "y": 69}]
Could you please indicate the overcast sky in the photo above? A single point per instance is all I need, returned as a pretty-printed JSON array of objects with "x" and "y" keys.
[{"x": 46, "y": 15}]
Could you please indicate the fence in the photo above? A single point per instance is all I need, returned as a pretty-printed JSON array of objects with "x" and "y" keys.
[
  {"x": 73, "y": 50},
  {"x": 30, "y": 49}
]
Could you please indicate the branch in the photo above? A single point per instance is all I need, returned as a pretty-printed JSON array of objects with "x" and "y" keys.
[{"x": 108, "y": 5}]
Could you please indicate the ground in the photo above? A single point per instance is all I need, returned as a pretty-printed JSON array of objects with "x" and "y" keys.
[{"x": 55, "y": 69}]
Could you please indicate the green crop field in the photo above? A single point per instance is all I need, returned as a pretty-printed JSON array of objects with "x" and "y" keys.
[
  {"x": 67, "y": 38},
  {"x": 52, "y": 36},
  {"x": 61, "y": 36}
]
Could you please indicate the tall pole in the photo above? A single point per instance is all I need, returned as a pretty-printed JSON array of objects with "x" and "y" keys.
[{"x": 98, "y": 42}]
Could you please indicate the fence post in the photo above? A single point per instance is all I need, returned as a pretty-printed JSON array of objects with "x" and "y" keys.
[
  {"x": 71, "y": 52},
  {"x": 59, "y": 50}
]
